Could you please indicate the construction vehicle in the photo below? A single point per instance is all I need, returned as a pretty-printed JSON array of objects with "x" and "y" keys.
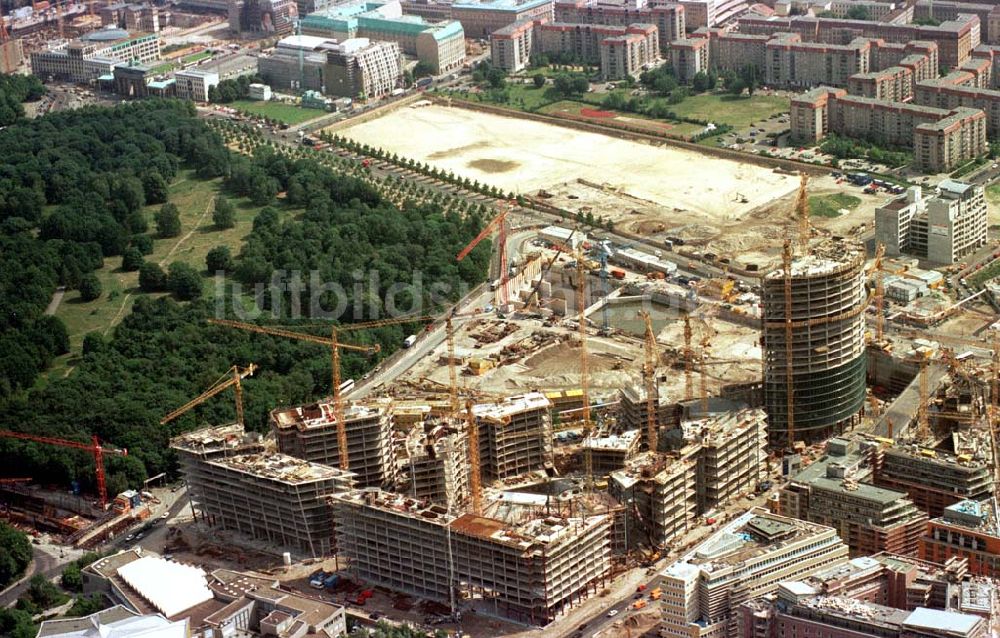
[
  {"x": 94, "y": 447},
  {"x": 639, "y": 604}
]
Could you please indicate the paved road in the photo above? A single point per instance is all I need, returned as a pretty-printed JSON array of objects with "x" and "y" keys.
[
  {"x": 44, "y": 563},
  {"x": 57, "y": 298}
]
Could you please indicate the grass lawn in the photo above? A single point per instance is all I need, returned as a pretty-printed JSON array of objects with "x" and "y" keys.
[
  {"x": 287, "y": 113},
  {"x": 532, "y": 98},
  {"x": 196, "y": 57},
  {"x": 738, "y": 112},
  {"x": 193, "y": 198},
  {"x": 993, "y": 193},
  {"x": 166, "y": 67},
  {"x": 831, "y": 205}
]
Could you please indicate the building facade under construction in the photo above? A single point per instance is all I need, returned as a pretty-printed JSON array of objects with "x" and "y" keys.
[
  {"x": 515, "y": 435},
  {"x": 271, "y": 497},
  {"x": 633, "y": 410},
  {"x": 530, "y": 572},
  {"x": 438, "y": 464},
  {"x": 732, "y": 458},
  {"x": 813, "y": 336},
  {"x": 309, "y": 432}
]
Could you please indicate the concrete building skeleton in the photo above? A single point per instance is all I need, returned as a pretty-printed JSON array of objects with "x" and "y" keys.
[
  {"x": 828, "y": 299},
  {"x": 514, "y": 435},
  {"x": 532, "y": 572},
  {"x": 309, "y": 432},
  {"x": 271, "y": 497},
  {"x": 438, "y": 464}
]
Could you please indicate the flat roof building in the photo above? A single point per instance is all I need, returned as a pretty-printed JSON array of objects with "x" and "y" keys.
[
  {"x": 943, "y": 228},
  {"x": 481, "y": 18},
  {"x": 514, "y": 435},
  {"x": 746, "y": 559},
  {"x": 310, "y": 432},
  {"x": 94, "y": 55},
  {"x": 531, "y": 572},
  {"x": 194, "y": 85},
  {"x": 967, "y": 529}
]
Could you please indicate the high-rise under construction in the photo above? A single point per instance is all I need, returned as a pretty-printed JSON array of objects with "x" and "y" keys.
[{"x": 814, "y": 364}]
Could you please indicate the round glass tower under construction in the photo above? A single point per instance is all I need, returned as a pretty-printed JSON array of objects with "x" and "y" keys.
[{"x": 814, "y": 364}]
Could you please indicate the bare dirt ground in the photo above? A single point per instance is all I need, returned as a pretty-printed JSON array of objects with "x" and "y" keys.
[{"x": 525, "y": 156}]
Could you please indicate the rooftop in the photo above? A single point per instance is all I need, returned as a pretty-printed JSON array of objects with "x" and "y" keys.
[
  {"x": 939, "y": 620},
  {"x": 170, "y": 587},
  {"x": 509, "y": 406},
  {"x": 114, "y": 622},
  {"x": 281, "y": 467},
  {"x": 212, "y": 439},
  {"x": 501, "y": 5}
]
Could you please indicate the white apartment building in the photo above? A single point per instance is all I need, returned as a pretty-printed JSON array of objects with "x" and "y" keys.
[{"x": 942, "y": 228}]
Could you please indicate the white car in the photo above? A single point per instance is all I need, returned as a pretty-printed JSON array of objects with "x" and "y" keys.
[{"x": 612, "y": 613}]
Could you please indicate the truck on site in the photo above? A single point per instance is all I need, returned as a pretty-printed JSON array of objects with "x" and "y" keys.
[
  {"x": 656, "y": 593},
  {"x": 409, "y": 341},
  {"x": 317, "y": 579},
  {"x": 639, "y": 604}
]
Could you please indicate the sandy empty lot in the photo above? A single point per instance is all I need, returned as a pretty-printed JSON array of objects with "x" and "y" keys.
[{"x": 524, "y": 156}]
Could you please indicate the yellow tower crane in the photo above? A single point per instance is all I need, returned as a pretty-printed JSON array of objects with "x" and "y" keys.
[
  {"x": 649, "y": 372},
  {"x": 688, "y": 360},
  {"x": 581, "y": 307},
  {"x": 233, "y": 377}
]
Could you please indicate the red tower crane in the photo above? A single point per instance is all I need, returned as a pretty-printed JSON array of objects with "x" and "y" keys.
[
  {"x": 498, "y": 223},
  {"x": 94, "y": 448}
]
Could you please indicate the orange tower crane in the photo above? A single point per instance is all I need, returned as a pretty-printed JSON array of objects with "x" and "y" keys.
[
  {"x": 706, "y": 345},
  {"x": 649, "y": 372},
  {"x": 237, "y": 375},
  {"x": 498, "y": 223},
  {"x": 94, "y": 448},
  {"x": 802, "y": 214},
  {"x": 879, "y": 292}
]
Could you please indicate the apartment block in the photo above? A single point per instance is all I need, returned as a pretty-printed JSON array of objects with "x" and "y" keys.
[
  {"x": 628, "y": 55},
  {"x": 947, "y": 10},
  {"x": 438, "y": 464},
  {"x": 942, "y": 228},
  {"x": 514, "y": 435},
  {"x": 942, "y": 139},
  {"x": 193, "y": 84},
  {"x": 94, "y": 55},
  {"x": 959, "y": 89},
  {"x": 894, "y": 84},
  {"x": 735, "y": 51},
  {"x": 967, "y": 529},
  {"x": 794, "y": 63},
  {"x": 531, "y": 571},
  {"x": 955, "y": 39},
  {"x": 511, "y": 47},
  {"x": 271, "y": 497},
  {"x": 309, "y": 432},
  {"x": 668, "y": 17},
  {"x": 746, "y": 559},
  {"x": 797, "y": 611},
  {"x": 480, "y": 18},
  {"x": 689, "y": 56}
]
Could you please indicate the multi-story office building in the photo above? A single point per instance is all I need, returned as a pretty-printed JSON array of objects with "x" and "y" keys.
[
  {"x": 744, "y": 560},
  {"x": 194, "y": 84},
  {"x": 297, "y": 63},
  {"x": 94, "y": 55},
  {"x": 441, "y": 44},
  {"x": 269, "y": 17},
  {"x": 310, "y": 432},
  {"x": 943, "y": 228}
]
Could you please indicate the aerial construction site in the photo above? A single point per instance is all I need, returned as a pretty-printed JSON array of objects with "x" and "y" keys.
[{"x": 701, "y": 365}]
